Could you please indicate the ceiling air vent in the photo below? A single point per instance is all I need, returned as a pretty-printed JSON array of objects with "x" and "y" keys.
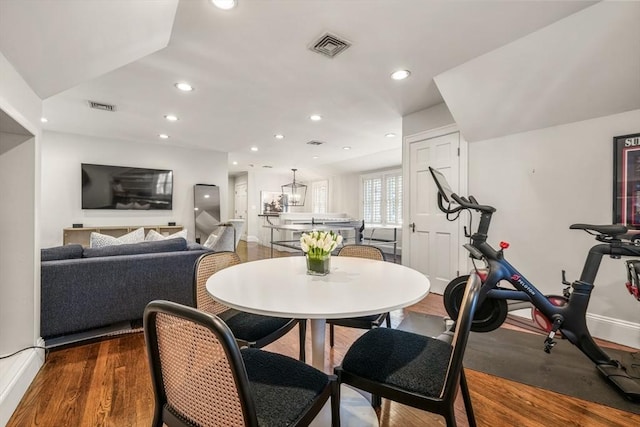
[
  {"x": 329, "y": 45},
  {"x": 315, "y": 142},
  {"x": 101, "y": 106}
]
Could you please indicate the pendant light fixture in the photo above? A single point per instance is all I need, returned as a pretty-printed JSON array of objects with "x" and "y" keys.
[{"x": 295, "y": 193}]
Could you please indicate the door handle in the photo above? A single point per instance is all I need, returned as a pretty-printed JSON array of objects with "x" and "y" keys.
[{"x": 412, "y": 226}]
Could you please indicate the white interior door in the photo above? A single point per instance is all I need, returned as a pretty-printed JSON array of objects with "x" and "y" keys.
[
  {"x": 240, "y": 205},
  {"x": 434, "y": 241}
]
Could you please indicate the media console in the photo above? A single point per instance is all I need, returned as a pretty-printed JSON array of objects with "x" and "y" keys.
[{"x": 82, "y": 235}]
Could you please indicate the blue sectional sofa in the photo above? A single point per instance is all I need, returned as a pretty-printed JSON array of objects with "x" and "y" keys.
[{"x": 87, "y": 288}]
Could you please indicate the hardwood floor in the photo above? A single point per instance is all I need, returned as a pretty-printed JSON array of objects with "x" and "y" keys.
[{"x": 107, "y": 383}]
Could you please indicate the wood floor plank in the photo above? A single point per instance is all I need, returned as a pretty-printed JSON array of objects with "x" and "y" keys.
[{"x": 107, "y": 383}]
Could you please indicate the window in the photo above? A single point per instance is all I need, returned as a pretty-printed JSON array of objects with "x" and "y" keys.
[
  {"x": 382, "y": 198},
  {"x": 319, "y": 195}
]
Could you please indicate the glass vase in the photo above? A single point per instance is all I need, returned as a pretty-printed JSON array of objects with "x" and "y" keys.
[{"x": 318, "y": 265}]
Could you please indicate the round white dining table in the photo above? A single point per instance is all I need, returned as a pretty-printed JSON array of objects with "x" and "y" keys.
[{"x": 354, "y": 287}]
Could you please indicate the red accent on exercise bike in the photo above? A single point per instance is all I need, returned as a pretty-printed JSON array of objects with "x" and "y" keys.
[
  {"x": 504, "y": 245},
  {"x": 482, "y": 274},
  {"x": 541, "y": 320},
  {"x": 633, "y": 290}
]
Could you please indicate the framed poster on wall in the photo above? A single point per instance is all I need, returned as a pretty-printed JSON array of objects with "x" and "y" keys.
[{"x": 626, "y": 180}]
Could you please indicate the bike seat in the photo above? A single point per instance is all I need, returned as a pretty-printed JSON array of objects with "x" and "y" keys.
[{"x": 609, "y": 229}]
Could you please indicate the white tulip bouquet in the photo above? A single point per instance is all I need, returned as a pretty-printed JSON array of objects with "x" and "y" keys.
[{"x": 318, "y": 246}]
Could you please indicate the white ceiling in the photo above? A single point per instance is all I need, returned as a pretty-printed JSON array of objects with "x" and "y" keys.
[{"x": 253, "y": 73}]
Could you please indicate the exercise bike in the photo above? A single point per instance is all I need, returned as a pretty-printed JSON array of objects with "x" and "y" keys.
[{"x": 564, "y": 313}]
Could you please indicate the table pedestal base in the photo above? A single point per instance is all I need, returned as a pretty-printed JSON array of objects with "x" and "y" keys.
[{"x": 355, "y": 411}]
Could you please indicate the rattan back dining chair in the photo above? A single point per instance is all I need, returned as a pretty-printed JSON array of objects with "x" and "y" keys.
[
  {"x": 363, "y": 322},
  {"x": 201, "y": 377},
  {"x": 250, "y": 330},
  {"x": 412, "y": 369}
]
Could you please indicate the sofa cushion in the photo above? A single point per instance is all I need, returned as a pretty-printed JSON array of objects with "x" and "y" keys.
[
  {"x": 154, "y": 236},
  {"x": 61, "y": 252},
  {"x": 170, "y": 245},
  {"x": 98, "y": 240}
]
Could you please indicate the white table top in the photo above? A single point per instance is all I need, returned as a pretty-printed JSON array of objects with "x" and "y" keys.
[{"x": 281, "y": 287}]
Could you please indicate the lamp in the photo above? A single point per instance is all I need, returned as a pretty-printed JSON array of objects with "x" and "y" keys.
[{"x": 295, "y": 193}]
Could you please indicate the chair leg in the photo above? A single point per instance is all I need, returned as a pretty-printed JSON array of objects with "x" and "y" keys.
[
  {"x": 376, "y": 400},
  {"x": 302, "y": 328},
  {"x": 388, "y": 320},
  {"x": 450, "y": 417},
  {"x": 331, "y": 334},
  {"x": 335, "y": 404},
  {"x": 466, "y": 397}
]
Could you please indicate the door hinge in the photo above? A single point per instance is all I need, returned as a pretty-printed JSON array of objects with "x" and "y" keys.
[
  {"x": 458, "y": 151},
  {"x": 457, "y": 273}
]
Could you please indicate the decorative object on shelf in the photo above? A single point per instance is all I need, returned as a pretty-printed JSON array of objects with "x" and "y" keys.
[
  {"x": 272, "y": 203},
  {"x": 294, "y": 193},
  {"x": 318, "y": 246}
]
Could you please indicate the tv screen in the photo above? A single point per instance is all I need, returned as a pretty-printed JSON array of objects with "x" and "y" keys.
[{"x": 121, "y": 187}]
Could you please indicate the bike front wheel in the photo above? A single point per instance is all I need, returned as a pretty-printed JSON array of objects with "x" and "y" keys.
[{"x": 488, "y": 316}]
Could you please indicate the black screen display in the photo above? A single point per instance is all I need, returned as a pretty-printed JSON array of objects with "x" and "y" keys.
[{"x": 122, "y": 187}]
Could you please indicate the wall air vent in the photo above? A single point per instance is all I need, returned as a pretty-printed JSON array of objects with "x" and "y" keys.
[
  {"x": 102, "y": 106},
  {"x": 315, "y": 142},
  {"x": 329, "y": 45}
]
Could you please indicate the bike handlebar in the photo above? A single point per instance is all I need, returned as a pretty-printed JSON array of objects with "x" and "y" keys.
[{"x": 465, "y": 203}]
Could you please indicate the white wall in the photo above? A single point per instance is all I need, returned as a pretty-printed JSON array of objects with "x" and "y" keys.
[
  {"x": 19, "y": 256},
  {"x": 62, "y": 155},
  {"x": 344, "y": 194},
  {"x": 427, "y": 119}
]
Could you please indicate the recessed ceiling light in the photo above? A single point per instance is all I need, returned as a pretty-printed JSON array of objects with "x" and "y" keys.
[
  {"x": 234, "y": 163},
  {"x": 278, "y": 136},
  {"x": 315, "y": 117},
  {"x": 254, "y": 148},
  {"x": 185, "y": 87},
  {"x": 400, "y": 74},
  {"x": 44, "y": 119},
  {"x": 171, "y": 118},
  {"x": 163, "y": 136},
  {"x": 346, "y": 148},
  {"x": 195, "y": 209},
  {"x": 390, "y": 135},
  {"x": 206, "y": 196},
  {"x": 315, "y": 157},
  {"x": 224, "y": 4}
]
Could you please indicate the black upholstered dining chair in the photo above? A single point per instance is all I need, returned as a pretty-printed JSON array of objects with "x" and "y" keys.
[
  {"x": 201, "y": 377},
  {"x": 363, "y": 322},
  {"x": 250, "y": 330},
  {"x": 412, "y": 369}
]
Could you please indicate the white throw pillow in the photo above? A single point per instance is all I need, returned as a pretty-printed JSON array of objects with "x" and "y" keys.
[
  {"x": 211, "y": 241},
  {"x": 98, "y": 240},
  {"x": 153, "y": 235}
]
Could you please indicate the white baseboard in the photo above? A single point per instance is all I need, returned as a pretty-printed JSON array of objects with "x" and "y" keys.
[
  {"x": 614, "y": 330},
  {"x": 253, "y": 239},
  {"x": 16, "y": 374}
]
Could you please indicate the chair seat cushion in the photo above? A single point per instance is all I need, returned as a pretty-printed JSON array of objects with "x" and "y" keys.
[
  {"x": 283, "y": 388},
  {"x": 400, "y": 359},
  {"x": 252, "y": 327}
]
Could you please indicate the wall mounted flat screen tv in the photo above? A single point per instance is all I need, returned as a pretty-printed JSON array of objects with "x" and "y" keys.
[{"x": 122, "y": 187}]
